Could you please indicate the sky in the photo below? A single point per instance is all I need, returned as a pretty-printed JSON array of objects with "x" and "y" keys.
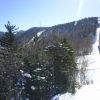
[{"x": 39, "y": 13}]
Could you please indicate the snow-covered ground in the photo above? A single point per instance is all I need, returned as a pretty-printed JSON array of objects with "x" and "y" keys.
[
  {"x": 38, "y": 34},
  {"x": 91, "y": 91}
]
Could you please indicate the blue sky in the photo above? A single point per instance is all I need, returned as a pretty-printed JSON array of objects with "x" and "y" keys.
[{"x": 30, "y": 13}]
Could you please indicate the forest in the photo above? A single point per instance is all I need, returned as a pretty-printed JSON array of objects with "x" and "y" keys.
[{"x": 42, "y": 69}]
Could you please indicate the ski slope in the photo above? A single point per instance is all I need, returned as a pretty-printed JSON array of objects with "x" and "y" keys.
[{"x": 91, "y": 91}]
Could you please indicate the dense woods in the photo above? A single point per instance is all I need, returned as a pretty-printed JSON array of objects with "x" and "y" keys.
[{"x": 35, "y": 72}]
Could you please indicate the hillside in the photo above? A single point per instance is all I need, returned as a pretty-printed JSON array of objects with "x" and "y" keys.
[
  {"x": 77, "y": 32},
  {"x": 44, "y": 60}
]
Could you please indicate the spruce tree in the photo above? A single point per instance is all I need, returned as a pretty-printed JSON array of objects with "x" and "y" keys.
[
  {"x": 9, "y": 61},
  {"x": 63, "y": 65}
]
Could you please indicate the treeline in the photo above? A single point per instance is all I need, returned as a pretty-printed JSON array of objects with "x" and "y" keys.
[
  {"x": 79, "y": 34},
  {"x": 81, "y": 29},
  {"x": 37, "y": 71},
  {"x": 82, "y": 34}
]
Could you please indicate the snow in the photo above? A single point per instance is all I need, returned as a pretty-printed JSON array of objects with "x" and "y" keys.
[
  {"x": 56, "y": 97},
  {"x": 37, "y": 69},
  {"x": 39, "y": 78},
  {"x": 87, "y": 92},
  {"x": 39, "y": 33},
  {"x": 22, "y": 71},
  {"x": 27, "y": 75},
  {"x": 75, "y": 23},
  {"x": 31, "y": 40},
  {"x": 91, "y": 91},
  {"x": 33, "y": 88}
]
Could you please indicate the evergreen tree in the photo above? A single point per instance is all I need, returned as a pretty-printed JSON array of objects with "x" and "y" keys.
[
  {"x": 8, "y": 40},
  {"x": 53, "y": 74},
  {"x": 62, "y": 61},
  {"x": 9, "y": 62}
]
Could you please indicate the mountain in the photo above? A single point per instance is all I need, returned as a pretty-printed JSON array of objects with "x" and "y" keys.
[
  {"x": 79, "y": 32},
  {"x": 79, "y": 29},
  {"x": 27, "y": 35},
  {"x": 1, "y": 33}
]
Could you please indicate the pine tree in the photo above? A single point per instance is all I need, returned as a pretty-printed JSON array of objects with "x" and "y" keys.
[
  {"x": 61, "y": 58},
  {"x": 8, "y": 40},
  {"x": 9, "y": 61},
  {"x": 54, "y": 74}
]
